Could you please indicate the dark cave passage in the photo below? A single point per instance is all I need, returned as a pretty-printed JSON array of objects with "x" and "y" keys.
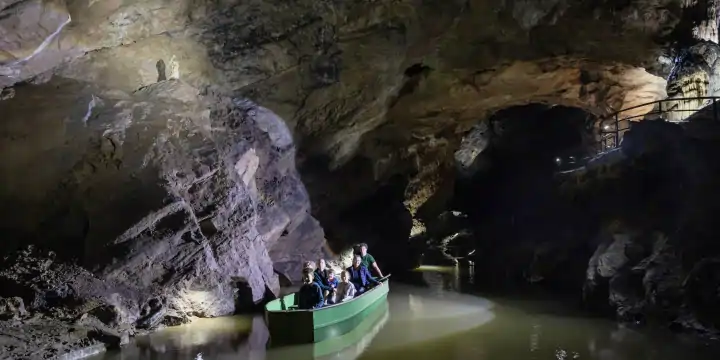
[
  {"x": 512, "y": 198},
  {"x": 526, "y": 146}
]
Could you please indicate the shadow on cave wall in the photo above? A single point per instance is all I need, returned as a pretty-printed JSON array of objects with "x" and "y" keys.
[
  {"x": 371, "y": 211},
  {"x": 538, "y": 230},
  {"x": 382, "y": 221}
]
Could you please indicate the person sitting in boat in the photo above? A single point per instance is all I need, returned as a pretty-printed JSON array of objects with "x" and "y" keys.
[
  {"x": 321, "y": 278},
  {"x": 360, "y": 276},
  {"x": 310, "y": 295},
  {"x": 368, "y": 260},
  {"x": 332, "y": 280},
  {"x": 345, "y": 289}
]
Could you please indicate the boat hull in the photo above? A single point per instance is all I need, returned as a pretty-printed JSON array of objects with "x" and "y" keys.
[{"x": 289, "y": 327}]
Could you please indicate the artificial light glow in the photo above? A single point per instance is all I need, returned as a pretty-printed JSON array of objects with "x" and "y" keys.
[
  {"x": 435, "y": 268},
  {"x": 557, "y": 160},
  {"x": 606, "y": 127},
  {"x": 199, "y": 297}
]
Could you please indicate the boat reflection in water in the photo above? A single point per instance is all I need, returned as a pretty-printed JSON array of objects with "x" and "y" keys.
[
  {"x": 345, "y": 347},
  {"x": 246, "y": 338}
]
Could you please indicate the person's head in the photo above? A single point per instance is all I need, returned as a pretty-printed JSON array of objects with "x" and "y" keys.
[
  {"x": 331, "y": 275},
  {"x": 307, "y": 277},
  {"x": 309, "y": 265},
  {"x": 357, "y": 260},
  {"x": 344, "y": 277},
  {"x": 363, "y": 249},
  {"x": 321, "y": 264}
]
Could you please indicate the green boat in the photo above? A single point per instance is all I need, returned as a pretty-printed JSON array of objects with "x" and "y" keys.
[
  {"x": 345, "y": 347},
  {"x": 289, "y": 326}
]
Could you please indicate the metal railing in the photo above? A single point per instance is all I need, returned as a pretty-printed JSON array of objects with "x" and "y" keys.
[{"x": 613, "y": 126}]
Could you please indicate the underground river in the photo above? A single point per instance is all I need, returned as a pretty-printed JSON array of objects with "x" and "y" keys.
[{"x": 434, "y": 320}]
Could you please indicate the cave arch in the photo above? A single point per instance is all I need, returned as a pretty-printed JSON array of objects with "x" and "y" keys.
[
  {"x": 460, "y": 99},
  {"x": 510, "y": 193},
  {"x": 535, "y": 132}
]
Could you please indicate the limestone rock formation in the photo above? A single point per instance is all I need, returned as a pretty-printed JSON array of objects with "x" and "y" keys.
[
  {"x": 660, "y": 266},
  {"x": 705, "y": 14},
  {"x": 130, "y": 144},
  {"x": 636, "y": 234},
  {"x": 693, "y": 80},
  {"x": 27, "y": 28},
  {"x": 173, "y": 199},
  {"x": 396, "y": 83}
]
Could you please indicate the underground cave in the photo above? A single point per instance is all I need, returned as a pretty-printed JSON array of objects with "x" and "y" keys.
[{"x": 167, "y": 169}]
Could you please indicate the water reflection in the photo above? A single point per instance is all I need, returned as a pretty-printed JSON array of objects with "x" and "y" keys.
[
  {"x": 431, "y": 322},
  {"x": 203, "y": 339},
  {"x": 346, "y": 347}
]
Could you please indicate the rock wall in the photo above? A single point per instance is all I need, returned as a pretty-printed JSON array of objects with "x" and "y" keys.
[
  {"x": 635, "y": 236},
  {"x": 354, "y": 80},
  {"x": 694, "y": 79},
  {"x": 655, "y": 255},
  {"x": 175, "y": 200}
]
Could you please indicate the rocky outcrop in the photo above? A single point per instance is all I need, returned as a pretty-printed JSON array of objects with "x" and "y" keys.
[
  {"x": 635, "y": 234},
  {"x": 644, "y": 279},
  {"x": 693, "y": 80},
  {"x": 172, "y": 199},
  {"x": 705, "y": 14},
  {"x": 658, "y": 266},
  {"x": 472, "y": 145}
]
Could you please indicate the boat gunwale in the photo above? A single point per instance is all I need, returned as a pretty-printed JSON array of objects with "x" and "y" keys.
[{"x": 383, "y": 280}]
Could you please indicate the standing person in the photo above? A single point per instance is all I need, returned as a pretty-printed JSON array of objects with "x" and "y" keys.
[
  {"x": 310, "y": 296},
  {"x": 360, "y": 276},
  {"x": 345, "y": 289},
  {"x": 368, "y": 260},
  {"x": 321, "y": 278}
]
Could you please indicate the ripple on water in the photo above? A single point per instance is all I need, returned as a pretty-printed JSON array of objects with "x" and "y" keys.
[{"x": 431, "y": 323}]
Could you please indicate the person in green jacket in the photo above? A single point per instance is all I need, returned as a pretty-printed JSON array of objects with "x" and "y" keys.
[{"x": 368, "y": 260}]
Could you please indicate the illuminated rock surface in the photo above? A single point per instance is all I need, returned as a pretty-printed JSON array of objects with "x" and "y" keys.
[
  {"x": 173, "y": 200},
  {"x": 128, "y": 147}
]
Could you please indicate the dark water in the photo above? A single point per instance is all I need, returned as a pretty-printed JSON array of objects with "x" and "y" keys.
[{"x": 435, "y": 322}]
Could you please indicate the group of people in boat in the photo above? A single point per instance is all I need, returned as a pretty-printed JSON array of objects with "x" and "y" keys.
[{"x": 321, "y": 285}]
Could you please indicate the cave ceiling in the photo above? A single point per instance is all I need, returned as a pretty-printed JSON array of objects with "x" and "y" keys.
[{"x": 367, "y": 88}]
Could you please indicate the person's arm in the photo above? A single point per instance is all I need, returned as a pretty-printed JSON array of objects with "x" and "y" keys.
[
  {"x": 369, "y": 276},
  {"x": 374, "y": 265},
  {"x": 356, "y": 284},
  {"x": 350, "y": 292},
  {"x": 342, "y": 292},
  {"x": 321, "y": 283}
]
